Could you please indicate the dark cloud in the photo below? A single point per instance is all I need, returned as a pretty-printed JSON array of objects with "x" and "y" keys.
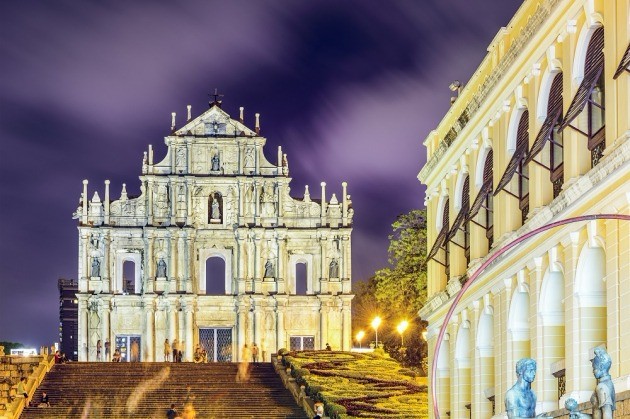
[{"x": 349, "y": 89}]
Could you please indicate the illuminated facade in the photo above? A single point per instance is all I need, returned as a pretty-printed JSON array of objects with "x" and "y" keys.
[
  {"x": 213, "y": 252},
  {"x": 540, "y": 133}
]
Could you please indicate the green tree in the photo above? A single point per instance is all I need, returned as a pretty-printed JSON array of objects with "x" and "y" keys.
[
  {"x": 397, "y": 292},
  {"x": 10, "y": 345}
]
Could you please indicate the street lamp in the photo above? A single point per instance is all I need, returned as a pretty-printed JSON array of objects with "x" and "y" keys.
[
  {"x": 402, "y": 326},
  {"x": 375, "y": 324},
  {"x": 360, "y": 335}
]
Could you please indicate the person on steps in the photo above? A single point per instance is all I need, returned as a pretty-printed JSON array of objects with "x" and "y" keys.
[{"x": 171, "y": 413}]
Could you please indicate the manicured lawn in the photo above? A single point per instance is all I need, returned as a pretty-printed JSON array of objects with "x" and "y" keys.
[{"x": 359, "y": 385}]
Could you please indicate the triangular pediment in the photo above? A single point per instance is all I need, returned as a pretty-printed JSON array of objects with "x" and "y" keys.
[{"x": 215, "y": 122}]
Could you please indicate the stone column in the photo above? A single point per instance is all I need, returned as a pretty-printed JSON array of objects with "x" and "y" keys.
[
  {"x": 188, "y": 266},
  {"x": 180, "y": 273},
  {"x": 172, "y": 251},
  {"x": 323, "y": 321},
  {"x": 106, "y": 203},
  {"x": 258, "y": 316},
  {"x": 189, "y": 331},
  {"x": 149, "y": 192},
  {"x": 172, "y": 321},
  {"x": 104, "y": 327},
  {"x": 106, "y": 283},
  {"x": 346, "y": 331},
  {"x": 149, "y": 270},
  {"x": 83, "y": 318},
  {"x": 84, "y": 202},
  {"x": 282, "y": 270},
  {"x": 258, "y": 263},
  {"x": 281, "y": 332},
  {"x": 240, "y": 329},
  {"x": 149, "y": 341},
  {"x": 321, "y": 284}
]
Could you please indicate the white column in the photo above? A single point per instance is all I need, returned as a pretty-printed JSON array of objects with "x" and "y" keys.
[
  {"x": 323, "y": 214},
  {"x": 84, "y": 216},
  {"x": 240, "y": 341},
  {"x": 189, "y": 332},
  {"x": 82, "y": 328},
  {"x": 106, "y": 202},
  {"x": 105, "y": 328},
  {"x": 282, "y": 335},
  {"x": 346, "y": 331},
  {"x": 149, "y": 344}
]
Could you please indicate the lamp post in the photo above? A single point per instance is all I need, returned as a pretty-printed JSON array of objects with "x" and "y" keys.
[
  {"x": 360, "y": 335},
  {"x": 375, "y": 324},
  {"x": 402, "y": 326}
]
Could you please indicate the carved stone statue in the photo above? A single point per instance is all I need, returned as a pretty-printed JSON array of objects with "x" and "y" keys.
[
  {"x": 161, "y": 268},
  {"x": 96, "y": 268},
  {"x": 269, "y": 269},
  {"x": 520, "y": 400},
  {"x": 215, "y": 214},
  {"x": 603, "y": 397},
  {"x": 572, "y": 406},
  {"x": 333, "y": 269},
  {"x": 215, "y": 163}
]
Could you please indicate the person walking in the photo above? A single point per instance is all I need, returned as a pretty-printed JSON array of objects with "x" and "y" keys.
[{"x": 255, "y": 352}]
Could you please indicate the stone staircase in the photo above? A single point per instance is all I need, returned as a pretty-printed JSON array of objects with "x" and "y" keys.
[{"x": 146, "y": 390}]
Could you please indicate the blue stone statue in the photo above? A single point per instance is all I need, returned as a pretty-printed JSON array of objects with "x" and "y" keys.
[
  {"x": 520, "y": 400},
  {"x": 572, "y": 406},
  {"x": 603, "y": 397}
]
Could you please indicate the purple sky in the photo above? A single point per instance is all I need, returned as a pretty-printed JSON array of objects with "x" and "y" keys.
[{"x": 349, "y": 89}]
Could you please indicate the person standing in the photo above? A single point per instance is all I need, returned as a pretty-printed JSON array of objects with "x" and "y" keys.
[
  {"x": 175, "y": 347},
  {"x": 135, "y": 351},
  {"x": 167, "y": 350},
  {"x": 255, "y": 352},
  {"x": 171, "y": 413},
  {"x": 107, "y": 349}
]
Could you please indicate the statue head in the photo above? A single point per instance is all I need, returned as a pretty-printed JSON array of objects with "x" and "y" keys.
[
  {"x": 526, "y": 369},
  {"x": 571, "y": 404},
  {"x": 601, "y": 362}
]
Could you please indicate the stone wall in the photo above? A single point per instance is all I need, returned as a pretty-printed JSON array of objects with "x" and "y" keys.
[{"x": 12, "y": 368}]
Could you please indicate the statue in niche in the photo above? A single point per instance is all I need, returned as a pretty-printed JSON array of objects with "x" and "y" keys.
[
  {"x": 180, "y": 158},
  {"x": 96, "y": 268},
  {"x": 161, "y": 268},
  {"x": 249, "y": 157},
  {"x": 269, "y": 273},
  {"x": 216, "y": 163},
  {"x": 249, "y": 200},
  {"x": 216, "y": 214},
  {"x": 94, "y": 241},
  {"x": 267, "y": 198},
  {"x": 333, "y": 269},
  {"x": 603, "y": 397},
  {"x": 520, "y": 400}
]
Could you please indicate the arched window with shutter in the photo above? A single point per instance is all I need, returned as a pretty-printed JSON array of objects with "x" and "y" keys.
[
  {"x": 551, "y": 132},
  {"x": 459, "y": 233},
  {"x": 483, "y": 202},
  {"x": 586, "y": 112},
  {"x": 518, "y": 165}
]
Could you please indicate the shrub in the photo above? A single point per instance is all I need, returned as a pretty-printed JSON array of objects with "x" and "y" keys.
[
  {"x": 283, "y": 351},
  {"x": 335, "y": 410},
  {"x": 299, "y": 374},
  {"x": 379, "y": 352}
]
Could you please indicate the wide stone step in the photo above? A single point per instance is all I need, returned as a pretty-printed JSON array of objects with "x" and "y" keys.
[{"x": 146, "y": 390}]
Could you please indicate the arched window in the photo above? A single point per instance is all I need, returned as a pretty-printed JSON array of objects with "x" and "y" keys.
[
  {"x": 483, "y": 202},
  {"x": 459, "y": 233},
  {"x": 586, "y": 112},
  {"x": 439, "y": 250},
  {"x": 215, "y": 276},
  {"x": 518, "y": 166},
  {"x": 551, "y": 132},
  {"x": 300, "y": 278},
  {"x": 129, "y": 277}
]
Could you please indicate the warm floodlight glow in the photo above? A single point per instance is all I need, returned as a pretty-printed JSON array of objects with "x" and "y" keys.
[
  {"x": 360, "y": 335},
  {"x": 402, "y": 326},
  {"x": 375, "y": 324}
]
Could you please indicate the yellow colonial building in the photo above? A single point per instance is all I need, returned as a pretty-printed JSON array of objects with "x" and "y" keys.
[{"x": 540, "y": 133}]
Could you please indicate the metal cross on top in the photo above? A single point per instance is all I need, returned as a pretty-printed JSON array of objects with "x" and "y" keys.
[{"x": 217, "y": 97}]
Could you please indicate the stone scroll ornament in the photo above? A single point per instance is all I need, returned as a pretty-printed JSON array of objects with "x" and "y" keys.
[{"x": 480, "y": 270}]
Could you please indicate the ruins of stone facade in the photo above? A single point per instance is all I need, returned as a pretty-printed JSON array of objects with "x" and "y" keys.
[{"x": 214, "y": 195}]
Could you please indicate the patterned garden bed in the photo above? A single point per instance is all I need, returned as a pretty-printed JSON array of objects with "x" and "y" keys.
[{"x": 358, "y": 385}]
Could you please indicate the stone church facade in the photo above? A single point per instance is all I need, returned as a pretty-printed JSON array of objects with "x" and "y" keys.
[{"x": 213, "y": 252}]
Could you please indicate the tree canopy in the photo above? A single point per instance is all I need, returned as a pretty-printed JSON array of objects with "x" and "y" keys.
[{"x": 398, "y": 291}]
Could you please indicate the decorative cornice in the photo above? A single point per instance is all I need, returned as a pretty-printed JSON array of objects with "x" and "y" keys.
[{"x": 478, "y": 98}]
